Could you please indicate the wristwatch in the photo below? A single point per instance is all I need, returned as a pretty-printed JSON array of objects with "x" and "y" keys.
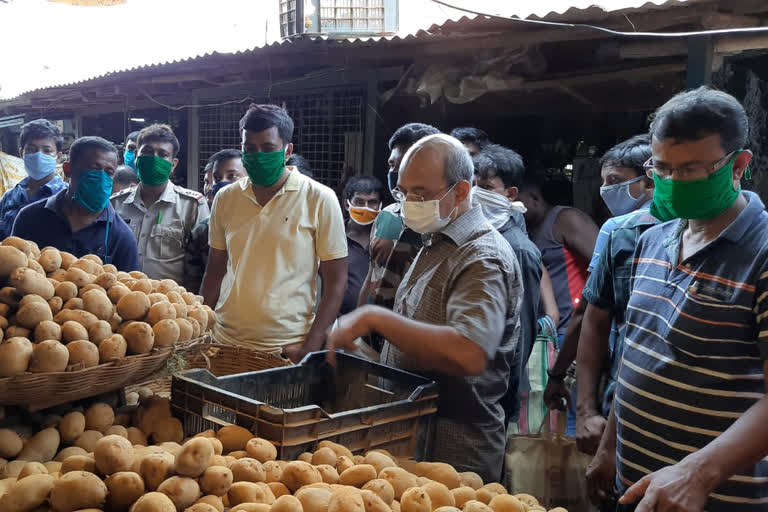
[{"x": 555, "y": 376}]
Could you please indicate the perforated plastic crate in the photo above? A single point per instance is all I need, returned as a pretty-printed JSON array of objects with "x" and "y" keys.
[{"x": 360, "y": 404}]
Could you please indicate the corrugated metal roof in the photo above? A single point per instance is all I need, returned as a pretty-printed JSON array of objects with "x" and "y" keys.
[{"x": 456, "y": 20}]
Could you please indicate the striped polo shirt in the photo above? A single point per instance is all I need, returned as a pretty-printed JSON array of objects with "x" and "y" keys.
[{"x": 696, "y": 339}]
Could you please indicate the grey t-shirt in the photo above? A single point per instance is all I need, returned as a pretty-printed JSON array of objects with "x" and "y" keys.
[{"x": 467, "y": 277}]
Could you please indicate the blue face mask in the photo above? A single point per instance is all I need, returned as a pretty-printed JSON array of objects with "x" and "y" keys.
[
  {"x": 39, "y": 165},
  {"x": 220, "y": 185},
  {"x": 129, "y": 157},
  {"x": 93, "y": 190}
]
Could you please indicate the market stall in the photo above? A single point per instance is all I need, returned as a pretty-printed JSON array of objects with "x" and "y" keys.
[{"x": 114, "y": 398}]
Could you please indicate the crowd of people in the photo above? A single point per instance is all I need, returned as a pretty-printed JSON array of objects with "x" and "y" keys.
[{"x": 660, "y": 314}]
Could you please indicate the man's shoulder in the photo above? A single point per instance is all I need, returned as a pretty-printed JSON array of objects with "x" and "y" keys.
[
  {"x": 123, "y": 194},
  {"x": 189, "y": 195}
]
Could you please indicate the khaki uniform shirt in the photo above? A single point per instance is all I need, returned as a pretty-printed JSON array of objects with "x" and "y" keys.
[{"x": 163, "y": 229}]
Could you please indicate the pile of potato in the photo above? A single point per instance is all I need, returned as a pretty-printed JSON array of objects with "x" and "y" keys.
[
  {"x": 60, "y": 313},
  {"x": 93, "y": 460}
]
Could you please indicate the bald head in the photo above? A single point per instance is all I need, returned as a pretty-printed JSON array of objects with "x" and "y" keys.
[{"x": 434, "y": 165}]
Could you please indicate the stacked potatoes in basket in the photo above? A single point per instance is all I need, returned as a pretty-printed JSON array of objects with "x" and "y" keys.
[{"x": 60, "y": 313}]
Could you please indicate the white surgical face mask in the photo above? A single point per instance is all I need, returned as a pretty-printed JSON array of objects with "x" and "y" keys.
[
  {"x": 619, "y": 200},
  {"x": 424, "y": 216},
  {"x": 496, "y": 208}
]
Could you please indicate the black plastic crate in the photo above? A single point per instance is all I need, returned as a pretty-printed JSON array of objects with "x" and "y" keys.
[{"x": 359, "y": 403}]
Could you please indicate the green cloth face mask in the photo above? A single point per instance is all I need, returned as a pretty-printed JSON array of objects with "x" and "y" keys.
[
  {"x": 704, "y": 198},
  {"x": 264, "y": 169},
  {"x": 153, "y": 170}
]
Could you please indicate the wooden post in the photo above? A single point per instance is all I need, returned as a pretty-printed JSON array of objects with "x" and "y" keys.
[
  {"x": 193, "y": 145},
  {"x": 699, "y": 62}
]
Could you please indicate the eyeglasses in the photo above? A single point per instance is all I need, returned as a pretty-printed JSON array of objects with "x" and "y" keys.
[
  {"x": 401, "y": 196},
  {"x": 666, "y": 173},
  {"x": 373, "y": 204}
]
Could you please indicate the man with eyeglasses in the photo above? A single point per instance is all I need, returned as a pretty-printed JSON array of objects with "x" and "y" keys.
[
  {"x": 393, "y": 245},
  {"x": 688, "y": 424},
  {"x": 456, "y": 314}
]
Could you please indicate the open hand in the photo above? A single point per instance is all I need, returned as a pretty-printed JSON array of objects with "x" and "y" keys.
[
  {"x": 347, "y": 329},
  {"x": 676, "y": 488}
]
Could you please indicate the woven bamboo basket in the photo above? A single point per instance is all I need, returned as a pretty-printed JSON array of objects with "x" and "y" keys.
[{"x": 218, "y": 359}]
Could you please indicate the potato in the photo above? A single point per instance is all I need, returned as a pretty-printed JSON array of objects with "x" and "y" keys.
[
  {"x": 10, "y": 259},
  {"x": 261, "y": 449},
  {"x": 161, "y": 311},
  {"x": 15, "y": 331},
  {"x": 53, "y": 467},
  {"x": 213, "y": 501},
  {"x": 10, "y": 443},
  {"x": 324, "y": 456},
  {"x": 470, "y": 479},
  {"x": 379, "y": 461},
  {"x": 84, "y": 318},
  {"x": 278, "y": 489},
  {"x": 181, "y": 310},
  {"x": 133, "y": 306},
  {"x": 49, "y": 356},
  {"x": 136, "y": 436},
  {"x": 357, "y": 476},
  {"x": 106, "y": 280},
  {"x": 42, "y": 447},
  {"x": 186, "y": 330},
  {"x": 99, "y": 331},
  {"x": 76, "y": 303},
  {"x": 68, "y": 452},
  {"x": 78, "y": 463},
  {"x": 97, "y": 303},
  {"x": 139, "y": 337},
  {"x": 114, "y": 347},
  {"x": 416, "y": 499},
  {"x": 168, "y": 429},
  {"x": 344, "y": 463},
  {"x": 439, "y": 472},
  {"x": 125, "y": 488},
  {"x": 196, "y": 330},
  {"x": 58, "y": 276},
  {"x": 251, "y": 507},
  {"x": 67, "y": 290},
  {"x": 9, "y": 296},
  {"x": 247, "y": 470},
  {"x": 34, "y": 265},
  {"x": 273, "y": 472},
  {"x": 182, "y": 491},
  {"x": 27, "y": 282},
  {"x": 314, "y": 499},
  {"x": 373, "y": 503},
  {"x": 297, "y": 474},
  {"x": 83, "y": 353},
  {"x": 86, "y": 266},
  {"x": 175, "y": 298},
  {"x": 15, "y": 354},
  {"x": 234, "y": 438},
  {"x": 154, "y": 502},
  {"x": 32, "y": 468},
  {"x": 113, "y": 454},
  {"x": 194, "y": 457},
  {"x": 476, "y": 506},
  {"x": 155, "y": 468},
  {"x": 286, "y": 503},
  {"x": 87, "y": 440},
  {"x": 247, "y": 492},
  {"x": 205, "y": 507},
  {"x": 56, "y": 304},
  {"x": 78, "y": 490},
  {"x": 167, "y": 285},
  {"x": 167, "y": 333},
  {"x": 462, "y": 495},
  {"x": 117, "y": 292},
  {"x": 13, "y": 468},
  {"x": 47, "y": 330},
  {"x": 199, "y": 314},
  {"x": 73, "y": 331},
  {"x": 527, "y": 499},
  {"x": 216, "y": 480},
  {"x": 33, "y": 313},
  {"x": 218, "y": 448},
  {"x": 343, "y": 500},
  {"x": 19, "y": 243},
  {"x": 439, "y": 495},
  {"x": 99, "y": 416},
  {"x": 328, "y": 473},
  {"x": 142, "y": 285},
  {"x": 506, "y": 503},
  {"x": 50, "y": 260},
  {"x": 114, "y": 322},
  {"x": 29, "y": 299},
  {"x": 89, "y": 287},
  {"x": 382, "y": 488},
  {"x": 28, "y": 493}
]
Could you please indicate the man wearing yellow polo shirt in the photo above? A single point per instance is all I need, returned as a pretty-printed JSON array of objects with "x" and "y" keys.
[{"x": 271, "y": 234}]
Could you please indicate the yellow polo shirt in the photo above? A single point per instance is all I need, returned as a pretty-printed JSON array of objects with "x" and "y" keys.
[{"x": 274, "y": 254}]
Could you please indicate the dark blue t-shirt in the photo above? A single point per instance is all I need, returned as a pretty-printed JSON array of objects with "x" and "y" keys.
[{"x": 44, "y": 223}]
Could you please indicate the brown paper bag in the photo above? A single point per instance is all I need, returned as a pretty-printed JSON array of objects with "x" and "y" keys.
[{"x": 548, "y": 466}]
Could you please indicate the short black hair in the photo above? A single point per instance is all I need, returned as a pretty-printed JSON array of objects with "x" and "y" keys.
[
  {"x": 468, "y": 134},
  {"x": 409, "y": 134},
  {"x": 699, "y": 113},
  {"x": 221, "y": 156},
  {"x": 363, "y": 185},
  {"x": 263, "y": 117},
  {"x": 495, "y": 160},
  {"x": 125, "y": 175},
  {"x": 41, "y": 129},
  {"x": 301, "y": 164},
  {"x": 83, "y": 144},
  {"x": 631, "y": 153},
  {"x": 134, "y": 136},
  {"x": 158, "y": 133}
]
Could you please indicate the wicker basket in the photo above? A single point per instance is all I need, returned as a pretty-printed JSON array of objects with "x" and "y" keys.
[
  {"x": 35, "y": 391},
  {"x": 219, "y": 360}
]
